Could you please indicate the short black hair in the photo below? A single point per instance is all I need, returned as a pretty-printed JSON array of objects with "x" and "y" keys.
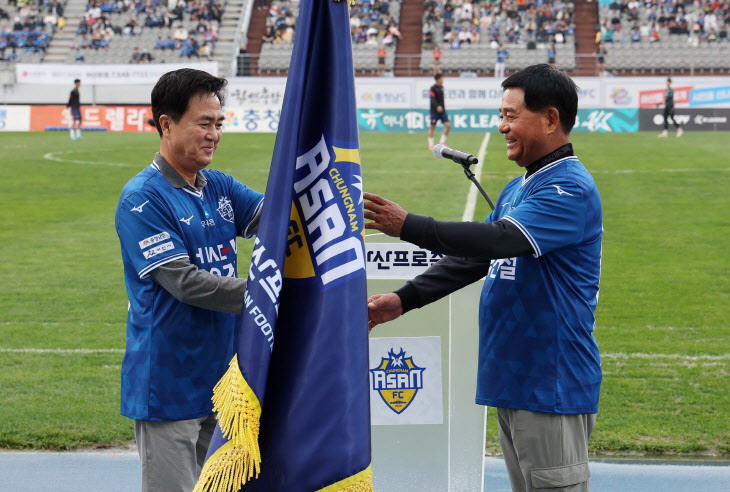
[
  {"x": 545, "y": 86},
  {"x": 669, "y": 79},
  {"x": 76, "y": 81},
  {"x": 438, "y": 76},
  {"x": 172, "y": 93}
]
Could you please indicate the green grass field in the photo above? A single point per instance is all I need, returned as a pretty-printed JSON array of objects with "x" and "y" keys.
[{"x": 663, "y": 314}]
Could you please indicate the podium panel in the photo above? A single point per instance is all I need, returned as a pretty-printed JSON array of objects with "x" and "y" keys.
[{"x": 427, "y": 432}]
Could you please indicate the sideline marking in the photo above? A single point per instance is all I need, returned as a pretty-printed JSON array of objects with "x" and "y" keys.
[
  {"x": 607, "y": 355},
  {"x": 54, "y": 156},
  {"x": 60, "y": 351},
  {"x": 643, "y": 355},
  {"x": 471, "y": 197}
]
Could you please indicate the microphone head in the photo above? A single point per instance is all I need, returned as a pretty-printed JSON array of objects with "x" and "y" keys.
[{"x": 438, "y": 150}]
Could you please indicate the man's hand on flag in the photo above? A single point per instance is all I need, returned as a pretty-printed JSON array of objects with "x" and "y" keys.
[
  {"x": 383, "y": 308},
  {"x": 388, "y": 217}
]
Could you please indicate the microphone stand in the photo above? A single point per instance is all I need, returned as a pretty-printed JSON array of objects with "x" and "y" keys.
[{"x": 470, "y": 175}]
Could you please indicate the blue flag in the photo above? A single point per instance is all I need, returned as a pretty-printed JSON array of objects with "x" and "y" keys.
[{"x": 293, "y": 409}]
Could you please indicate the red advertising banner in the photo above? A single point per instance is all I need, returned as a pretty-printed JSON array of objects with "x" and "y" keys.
[
  {"x": 110, "y": 118},
  {"x": 652, "y": 99}
]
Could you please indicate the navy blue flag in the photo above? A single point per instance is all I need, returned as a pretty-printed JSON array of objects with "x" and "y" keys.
[{"x": 293, "y": 409}]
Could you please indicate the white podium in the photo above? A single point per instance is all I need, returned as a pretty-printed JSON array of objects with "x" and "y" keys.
[{"x": 428, "y": 435}]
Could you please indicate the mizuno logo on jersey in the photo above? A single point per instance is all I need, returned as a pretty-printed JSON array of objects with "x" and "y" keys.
[
  {"x": 187, "y": 221},
  {"x": 138, "y": 208},
  {"x": 561, "y": 192}
]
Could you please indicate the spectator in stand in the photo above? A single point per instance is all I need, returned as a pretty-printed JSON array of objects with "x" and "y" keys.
[
  {"x": 393, "y": 31},
  {"x": 436, "y": 55},
  {"x": 205, "y": 50},
  {"x": 360, "y": 36},
  {"x": 499, "y": 66},
  {"x": 654, "y": 35},
  {"x": 136, "y": 56},
  {"x": 287, "y": 36},
  {"x": 464, "y": 36},
  {"x": 131, "y": 28},
  {"x": 180, "y": 35},
  {"x": 381, "y": 54},
  {"x": 551, "y": 55},
  {"x": 269, "y": 36},
  {"x": 635, "y": 34},
  {"x": 428, "y": 40},
  {"x": 467, "y": 11},
  {"x": 190, "y": 48},
  {"x": 455, "y": 43},
  {"x": 372, "y": 38}
]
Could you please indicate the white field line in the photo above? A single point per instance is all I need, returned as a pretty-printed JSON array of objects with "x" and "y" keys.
[
  {"x": 640, "y": 355},
  {"x": 471, "y": 197},
  {"x": 55, "y": 156},
  {"x": 61, "y": 351},
  {"x": 607, "y": 355}
]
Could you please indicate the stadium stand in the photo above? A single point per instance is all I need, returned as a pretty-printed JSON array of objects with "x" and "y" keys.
[
  {"x": 145, "y": 31},
  {"x": 665, "y": 36},
  {"x": 26, "y": 28},
  {"x": 468, "y": 33},
  {"x": 373, "y": 24},
  {"x": 639, "y": 37}
]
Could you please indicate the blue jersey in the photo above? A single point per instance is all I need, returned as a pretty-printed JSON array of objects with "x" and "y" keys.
[
  {"x": 502, "y": 55},
  {"x": 537, "y": 313},
  {"x": 176, "y": 352}
]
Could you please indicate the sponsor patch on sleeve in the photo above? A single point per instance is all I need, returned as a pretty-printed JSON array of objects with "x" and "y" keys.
[
  {"x": 157, "y": 238},
  {"x": 158, "y": 249}
]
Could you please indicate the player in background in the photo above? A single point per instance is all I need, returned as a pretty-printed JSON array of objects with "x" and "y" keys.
[
  {"x": 74, "y": 104},
  {"x": 669, "y": 111},
  {"x": 438, "y": 110}
]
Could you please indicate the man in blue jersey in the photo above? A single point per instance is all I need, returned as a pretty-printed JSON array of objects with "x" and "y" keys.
[
  {"x": 177, "y": 223},
  {"x": 540, "y": 251}
]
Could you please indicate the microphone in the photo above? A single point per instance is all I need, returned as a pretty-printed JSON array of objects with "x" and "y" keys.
[{"x": 441, "y": 151}]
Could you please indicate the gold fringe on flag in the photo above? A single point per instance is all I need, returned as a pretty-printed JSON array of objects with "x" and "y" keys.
[
  {"x": 239, "y": 413},
  {"x": 360, "y": 482}
]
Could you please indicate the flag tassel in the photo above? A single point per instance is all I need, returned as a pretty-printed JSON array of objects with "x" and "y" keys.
[
  {"x": 360, "y": 482},
  {"x": 239, "y": 413}
]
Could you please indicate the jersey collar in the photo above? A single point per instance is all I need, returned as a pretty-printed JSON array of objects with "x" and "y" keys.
[
  {"x": 172, "y": 176},
  {"x": 557, "y": 154}
]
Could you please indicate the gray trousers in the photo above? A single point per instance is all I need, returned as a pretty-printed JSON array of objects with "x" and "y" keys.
[
  {"x": 546, "y": 451},
  {"x": 173, "y": 453}
]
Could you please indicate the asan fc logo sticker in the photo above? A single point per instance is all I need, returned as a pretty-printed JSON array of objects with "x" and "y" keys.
[
  {"x": 225, "y": 209},
  {"x": 397, "y": 379}
]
